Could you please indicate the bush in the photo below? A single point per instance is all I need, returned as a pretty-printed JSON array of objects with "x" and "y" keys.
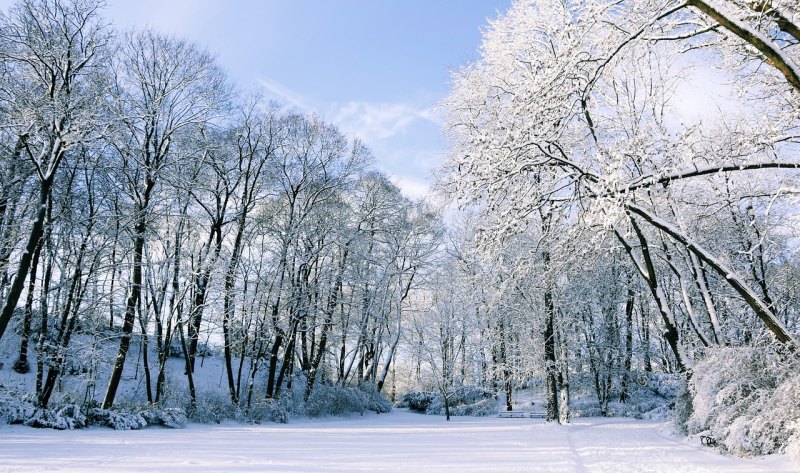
[
  {"x": 665, "y": 385},
  {"x": 73, "y": 414},
  {"x": 211, "y": 407},
  {"x": 375, "y": 400},
  {"x": 117, "y": 420},
  {"x": 328, "y": 400},
  {"x": 13, "y": 410},
  {"x": 748, "y": 398},
  {"x": 465, "y": 401},
  {"x": 418, "y": 401},
  {"x": 482, "y": 408},
  {"x": 47, "y": 419},
  {"x": 172, "y": 417},
  {"x": 268, "y": 410}
]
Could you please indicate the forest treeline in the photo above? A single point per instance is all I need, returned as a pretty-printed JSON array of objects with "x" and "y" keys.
[{"x": 143, "y": 198}]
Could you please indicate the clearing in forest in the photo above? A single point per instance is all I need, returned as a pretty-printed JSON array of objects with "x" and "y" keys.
[{"x": 399, "y": 441}]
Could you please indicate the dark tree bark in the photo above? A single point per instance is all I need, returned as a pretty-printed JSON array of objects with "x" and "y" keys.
[
  {"x": 630, "y": 300},
  {"x": 21, "y": 365},
  {"x": 26, "y": 260},
  {"x": 550, "y": 359},
  {"x": 130, "y": 307}
]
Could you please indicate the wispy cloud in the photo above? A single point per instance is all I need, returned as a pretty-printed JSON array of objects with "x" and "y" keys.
[
  {"x": 282, "y": 93},
  {"x": 406, "y": 159},
  {"x": 410, "y": 187},
  {"x": 378, "y": 120}
]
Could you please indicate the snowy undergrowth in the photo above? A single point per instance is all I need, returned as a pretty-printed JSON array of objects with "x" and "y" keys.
[
  {"x": 330, "y": 400},
  {"x": 464, "y": 401},
  {"x": 16, "y": 409},
  {"x": 749, "y": 399}
]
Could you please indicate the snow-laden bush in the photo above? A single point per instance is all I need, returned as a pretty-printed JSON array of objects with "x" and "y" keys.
[
  {"x": 748, "y": 398},
  {"x": 464, "y": 401},
  {"x": 13, "y": 410},
  {"x": 211, "y": 407},
  {"x": 329, "y": 400},
  {"x": 74, "y": 415},
  {"x": 482, "y": 408},
  {"x": 172, "y": 417},
  {"x": 117, "y": 420},
  {"x": 665, "y": 385},
  {"x": 47, "y": 419},
  {"x": 375, "y": 400},
  {"x": 268, "y": 410},
  {"x": 418, "y": 401}
]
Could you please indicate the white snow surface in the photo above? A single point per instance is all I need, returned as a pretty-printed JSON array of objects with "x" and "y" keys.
[{"x": 400, "y": 441}]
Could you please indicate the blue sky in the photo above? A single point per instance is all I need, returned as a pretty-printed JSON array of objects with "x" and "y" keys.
[{"x": 376, "y": 68}]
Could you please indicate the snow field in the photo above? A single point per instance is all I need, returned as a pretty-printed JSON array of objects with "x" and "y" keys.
[{"x": 396, "y": 442}]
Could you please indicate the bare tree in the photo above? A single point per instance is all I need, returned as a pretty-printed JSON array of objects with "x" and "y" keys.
[
  {"x": 54, "y": 54},
  {"x": 165, "y": 88}
]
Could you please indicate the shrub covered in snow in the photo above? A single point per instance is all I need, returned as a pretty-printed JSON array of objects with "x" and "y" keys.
[
  {"x": 748, "y": 398},
  {"x": 665, "y": 385},
  {"x": 268, "y": 410},
  {"x": 16, "y": 409},
  {"x": 74, "y": 415},
  {"x": 329, "y": 400},
  {"x": 464, "y": 401},
  {"x": 172, "y": 417},
  {"x": 47, "y": 419},
  {"x": 375, "y": 400},
  {"x": 117, "y": 420},
  {"x": 418, "y": 401},
  {"x": 13, "y": 410},
  {"x": 332, "y": 400},
  {"x": 211, "y": 407}
]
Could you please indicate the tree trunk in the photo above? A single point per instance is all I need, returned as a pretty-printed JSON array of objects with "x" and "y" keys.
[
  {"x": 563, "y": 381},
  {"x": 761, "y": 309},
  {"x": 288, "y": 359},
  {"x": 672, "y": 336},
  {"x": 229, "y": 304},
  {"x": 26, "y": 260},
  {"x": 69, "y": 320},
  {"x": 41, "y": 344},
  {"x": 21, "y": 365},
  {"x": 333, "y": 301},
  {"x": 189, "y": 374},
  {"x": 626, "y": 375},
  {"x": 130, "y": 311},
  {"x": 145, "y": 358},
  {"x": 550, "y": 359}
]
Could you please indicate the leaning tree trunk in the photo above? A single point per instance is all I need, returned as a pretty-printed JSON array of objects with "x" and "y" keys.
[
  {"x": 26, "y": 260},
  {"x": 648, "y": 272},
  {"x": 756, "y": 303}
]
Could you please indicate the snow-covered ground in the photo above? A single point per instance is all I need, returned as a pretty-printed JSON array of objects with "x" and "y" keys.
[{"x": 400, "y": 441}]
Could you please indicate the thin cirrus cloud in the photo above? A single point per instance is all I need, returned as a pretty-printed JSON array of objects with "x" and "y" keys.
[
  {"x": 391, "y": 129},
  {"x": 366, "y": 120},
  {"x": 280, "y": 92},
  {"x": 369, "y": 120}
]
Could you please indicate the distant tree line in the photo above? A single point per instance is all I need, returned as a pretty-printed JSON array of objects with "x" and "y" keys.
[{"x": 143, "y": 200}]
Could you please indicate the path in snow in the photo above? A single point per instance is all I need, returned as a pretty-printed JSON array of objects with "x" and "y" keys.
[{"x": 400, "y": 441}]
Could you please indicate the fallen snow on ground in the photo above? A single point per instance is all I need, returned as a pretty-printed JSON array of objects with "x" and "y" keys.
[{"x": 400, "y": 441}]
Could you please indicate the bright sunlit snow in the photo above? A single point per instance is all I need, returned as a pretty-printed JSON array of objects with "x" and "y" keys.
[{"x": 399, "y": 441}]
